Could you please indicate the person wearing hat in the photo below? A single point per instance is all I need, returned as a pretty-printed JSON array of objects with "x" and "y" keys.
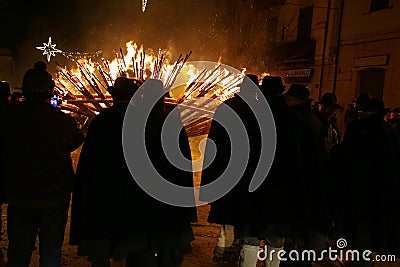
[
  {"x": 123, "y": 90},
  {"x": 357, "y": 105},
  {"x": 231, "y": 210},
  {"x": 111, "y": 216},
  {"x": 298, "y": 99},
  {"x": 325, "y": 111},
  {"x": 272, "y": 87},
  {"x": 101, "y": 162},
  {"x": 35, "y": 145},
  {"x": 365, "y": 172},
  {"x": 310, "y": 172}
]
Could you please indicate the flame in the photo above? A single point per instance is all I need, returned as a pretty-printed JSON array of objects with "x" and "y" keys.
[
  {"x": 120, "y": 65},
  {"x": 192, "y": 76},
  {"x": 87, "y": 83},
  {"x": 89, "y": 75},
  {"x": 123, "y": 63}
]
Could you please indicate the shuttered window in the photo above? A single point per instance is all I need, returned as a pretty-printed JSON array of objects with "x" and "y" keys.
[
  {"x": 372, "y": 80},
  {"x": 305, "y": 23}
]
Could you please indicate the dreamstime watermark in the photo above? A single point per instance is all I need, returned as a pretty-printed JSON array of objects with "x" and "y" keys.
[
  {"x": 332, "y": 254},
  {"x": 145, "y": 173}
]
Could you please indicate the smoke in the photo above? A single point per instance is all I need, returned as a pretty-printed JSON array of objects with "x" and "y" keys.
[{"x": 175, "y": 26}]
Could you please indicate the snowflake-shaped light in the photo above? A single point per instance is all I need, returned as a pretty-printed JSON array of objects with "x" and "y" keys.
[
  {"x": 144, "y": 4},
  {"x": 49, "y": 49}
]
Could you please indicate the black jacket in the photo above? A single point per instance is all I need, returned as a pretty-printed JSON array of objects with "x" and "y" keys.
[
  {"x": 107, "y": 202},
  {"x": 364, "y": 177},
  {"x": 35, "y": 145},
  {"x": 281, "y": 205}
]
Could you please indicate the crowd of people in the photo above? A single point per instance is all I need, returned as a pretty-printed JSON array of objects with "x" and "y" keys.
[{"x": 323, "y": 184}]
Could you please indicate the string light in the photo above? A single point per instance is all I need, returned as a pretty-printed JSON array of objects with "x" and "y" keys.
[{"x": 49, "y": 49}]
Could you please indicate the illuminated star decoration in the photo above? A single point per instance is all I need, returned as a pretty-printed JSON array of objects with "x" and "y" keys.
[
  {"x": 144, "y": 4},
  {"x": 49, "y": 49}
]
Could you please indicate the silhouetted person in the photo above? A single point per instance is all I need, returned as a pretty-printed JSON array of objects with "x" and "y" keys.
[
  {"x": 273, "y": 88},
  {"x": 310, "y": 140},
  {"x": 259, "y": 216},
  {"x": 228, "y": 210},
  {"x": 355, "y": 107},
  {"x": 226, "y": 248},
  {"x": 325, "y": 112},
  {"x": 364, "y": 175},
  {"x": 35, "y": 145},
  {"x": 298, "y": 100},
  {"x": 272, "y": 227},
  {"x": 253, "y": 78},
  {"x": 4, "y": 95},
  {"x": 112, "y": 217}
]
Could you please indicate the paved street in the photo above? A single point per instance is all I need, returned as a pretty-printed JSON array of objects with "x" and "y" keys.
[
  {"x": 201, "y": 256},
  {"x": 202, "y": 247}
]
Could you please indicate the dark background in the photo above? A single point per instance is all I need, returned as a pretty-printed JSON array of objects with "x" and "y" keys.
[{"x": 176, "y": 26}]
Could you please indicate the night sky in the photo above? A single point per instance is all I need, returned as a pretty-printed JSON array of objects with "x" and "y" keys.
[{"x": 177, "y": 26}]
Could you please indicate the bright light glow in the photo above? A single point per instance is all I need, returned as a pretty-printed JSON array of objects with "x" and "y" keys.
[
  {"x": 49, "y": 49},
  {"x": 144, "y": 4}
]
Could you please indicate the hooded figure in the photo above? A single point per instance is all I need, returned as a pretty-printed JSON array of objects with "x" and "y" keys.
[{"x": 112, "y": 217}]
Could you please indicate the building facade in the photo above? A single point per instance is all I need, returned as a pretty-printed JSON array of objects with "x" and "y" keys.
[
  {"x": 303, "y": 47},
  {"x": 369, "y": 54},
  {"x": 343, "y": 46}
]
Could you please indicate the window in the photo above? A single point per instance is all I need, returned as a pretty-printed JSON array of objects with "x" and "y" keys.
[
  {"x": 377, "y": 5},
  {"x": 305, "y": 23},
  {"x": 372, "y": 80}
]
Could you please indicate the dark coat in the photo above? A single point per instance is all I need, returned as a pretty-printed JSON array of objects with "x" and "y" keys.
[
  {"x": 226, "y": 209},
  {"x": 36, "y": 141},
  {"x": 364, "y": 180},
  {"x": 109, "y": 205},
  {"x": 310, "y": 137},
  {"x": 279, "y": 207}
]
